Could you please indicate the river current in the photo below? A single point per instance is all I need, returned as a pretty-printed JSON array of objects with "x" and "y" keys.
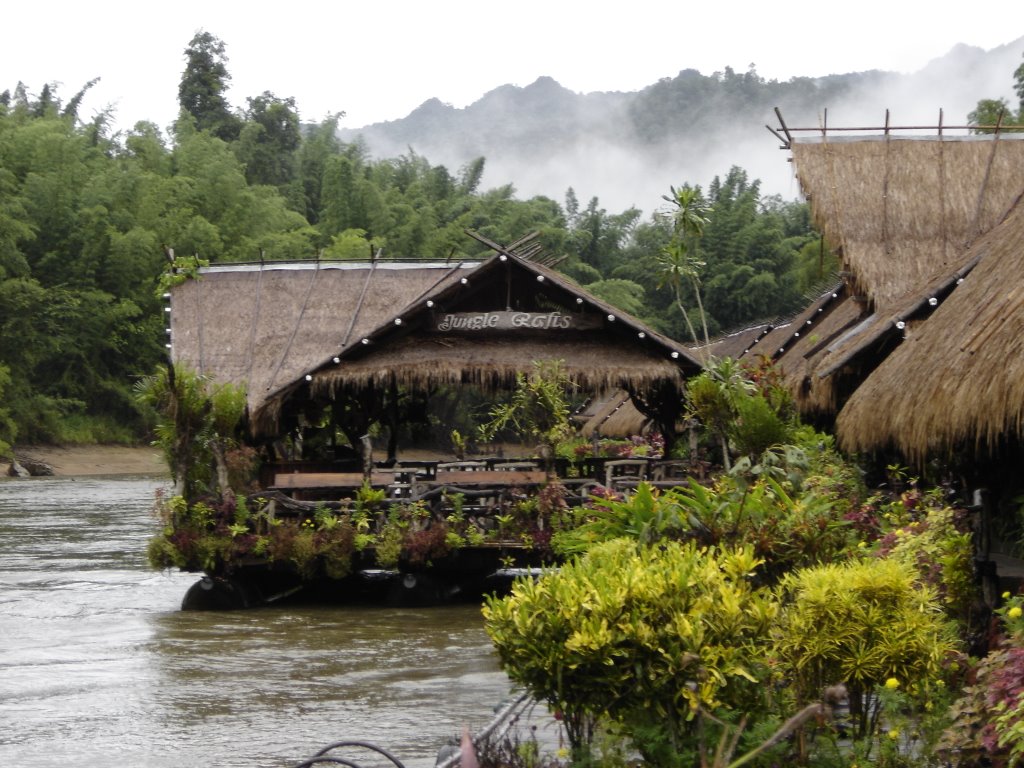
[{"x": 99, "y": 667}]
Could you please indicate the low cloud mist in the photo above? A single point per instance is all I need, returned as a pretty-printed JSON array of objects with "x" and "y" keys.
[{"x": 585, "y": 142}]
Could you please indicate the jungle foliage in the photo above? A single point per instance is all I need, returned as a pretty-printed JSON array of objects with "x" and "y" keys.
[{"x": 88, "y": 216}]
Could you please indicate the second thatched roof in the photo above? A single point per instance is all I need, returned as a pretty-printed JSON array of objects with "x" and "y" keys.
[{"x": 904, "y": 214}]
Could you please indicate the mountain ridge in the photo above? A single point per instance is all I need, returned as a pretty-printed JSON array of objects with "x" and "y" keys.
[{"x": 628, "y": 147}]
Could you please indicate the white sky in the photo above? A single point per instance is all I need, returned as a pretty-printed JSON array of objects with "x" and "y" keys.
[{"x": 380, "y": 59}]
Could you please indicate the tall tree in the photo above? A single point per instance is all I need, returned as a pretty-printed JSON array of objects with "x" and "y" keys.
[
  {"x": 269, "y": 140},
  {"x": 204, "y": 83},
  {"x": 749, "y": 251},
  {"x": 315, "y": 152},
  {"x": 600, "y": 236}
]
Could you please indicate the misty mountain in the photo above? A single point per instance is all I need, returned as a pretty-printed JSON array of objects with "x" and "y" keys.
[{"x": 627, "y": 148}]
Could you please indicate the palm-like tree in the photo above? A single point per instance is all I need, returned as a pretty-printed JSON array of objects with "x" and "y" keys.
[{"x": 679, "y": 261}]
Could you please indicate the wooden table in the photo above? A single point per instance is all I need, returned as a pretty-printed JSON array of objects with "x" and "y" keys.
[
  {"x": 489, "y": 477},
  {"x": 320, "y": 480}
]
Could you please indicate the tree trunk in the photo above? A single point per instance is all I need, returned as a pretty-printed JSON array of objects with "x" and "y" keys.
[{"x": 223, "y": 479}]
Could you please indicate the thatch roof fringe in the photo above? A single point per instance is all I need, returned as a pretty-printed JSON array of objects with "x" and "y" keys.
[
  {"x": 910, "y": 307},
  {"x": 490, "y": 378}
]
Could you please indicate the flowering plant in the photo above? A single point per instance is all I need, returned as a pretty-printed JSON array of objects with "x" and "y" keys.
[
  {"x": 988, "y": 719},
  {"x": 1012, "y": 612}
]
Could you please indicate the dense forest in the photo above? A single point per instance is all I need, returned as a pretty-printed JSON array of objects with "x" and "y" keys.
[{"x": 87, "y": 217}]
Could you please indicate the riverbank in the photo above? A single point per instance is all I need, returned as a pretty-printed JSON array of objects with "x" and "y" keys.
[
  {"x": 86, "y": 460},
  {"x": 93, "y": 460}
]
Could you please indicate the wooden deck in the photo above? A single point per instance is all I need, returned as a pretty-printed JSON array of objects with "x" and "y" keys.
[{"x": 415, "y": 479}]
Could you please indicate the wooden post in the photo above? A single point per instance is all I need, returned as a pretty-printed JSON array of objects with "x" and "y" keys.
[{"x": 367, "y": 457}]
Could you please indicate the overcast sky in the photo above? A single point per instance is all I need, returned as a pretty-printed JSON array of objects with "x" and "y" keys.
[{"x": 379, "y": 59}]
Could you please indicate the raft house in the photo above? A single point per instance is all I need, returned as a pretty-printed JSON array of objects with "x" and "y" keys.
[
  {"x": 334, "y": 345},
  {"x": 914, "y": 354}
]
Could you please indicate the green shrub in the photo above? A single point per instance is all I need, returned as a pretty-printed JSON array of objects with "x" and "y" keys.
[
  {"x": 334, "y": 546},
  {"x": 757, "y": 426},
  {"x": 645, "y": 516},
  {"x": 860, "y": 623},
  {"x": 671, "y": 636},
  {"x": 928, "y": 535},
  {"x": 785, "y": 530},
  {"x": 390, "y": 540},
  {"x": 162, "y": 553}
]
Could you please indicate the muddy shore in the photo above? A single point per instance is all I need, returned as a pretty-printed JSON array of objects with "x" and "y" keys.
[{"x": 87, "y": 460}]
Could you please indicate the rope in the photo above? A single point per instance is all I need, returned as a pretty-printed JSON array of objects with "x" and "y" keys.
[
  {"x": 252, "y": 335},
  {"x": 974, "y": 231},
  {"x": 885, "y": 191},
  {"x": 942, "y": 194},
  {"x": 359, "y": 306},
  {"x": 298, "y": 324},
  {"x": 199, "y": 302}
]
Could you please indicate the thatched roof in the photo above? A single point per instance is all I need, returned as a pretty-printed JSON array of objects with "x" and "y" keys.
[
  {"x": 902, "y": 209},
  {"x": 800, "y": 346},
  {"x": 879, "y": 327},
  {"x": 262, "y": 326},
  {"x": 405, "y": 349},
  {"x": 734, "y": 344},
  {"x": 309, "y": 330},
  {"x": 958, "y": 378},
  {"x": 614, "y": 415}
]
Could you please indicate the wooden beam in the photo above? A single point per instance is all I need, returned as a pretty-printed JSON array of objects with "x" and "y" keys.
[{"x": 785, "y": 128}]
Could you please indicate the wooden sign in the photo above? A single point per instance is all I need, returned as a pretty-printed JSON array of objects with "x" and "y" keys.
[{"x": 511, "y": 321}]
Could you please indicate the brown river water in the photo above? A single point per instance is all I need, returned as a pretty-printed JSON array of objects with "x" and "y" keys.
[{"x": 99, "y": 667}]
